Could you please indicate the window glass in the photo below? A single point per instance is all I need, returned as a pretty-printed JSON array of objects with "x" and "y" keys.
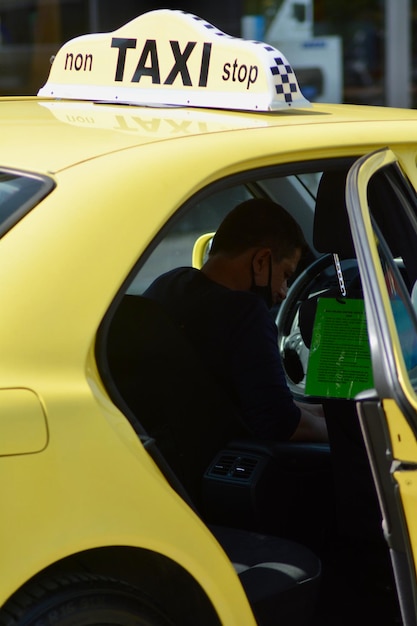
[
  {"x": 402, "y": 311},
  {"x": 394, "y": 210},
  {"x": 18, "y": 194},
  {"x": 175, "y": 250},
  {"x": 296, "y": 193}
]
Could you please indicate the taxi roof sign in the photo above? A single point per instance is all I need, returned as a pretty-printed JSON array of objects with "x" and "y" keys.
[{"x": 169, "y": 57}]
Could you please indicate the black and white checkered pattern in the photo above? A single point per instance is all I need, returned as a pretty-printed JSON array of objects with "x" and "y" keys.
[{"x": 284, "y": 78}]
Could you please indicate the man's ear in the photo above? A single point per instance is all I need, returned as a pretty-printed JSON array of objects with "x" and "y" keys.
[{"x": 261, "y": 260}]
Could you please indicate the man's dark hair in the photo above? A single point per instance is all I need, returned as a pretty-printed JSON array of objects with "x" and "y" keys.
[{"x": 258, "y": 223}]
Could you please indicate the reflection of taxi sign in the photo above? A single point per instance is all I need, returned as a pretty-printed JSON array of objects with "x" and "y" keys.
[{"x": 173, "y": 58}]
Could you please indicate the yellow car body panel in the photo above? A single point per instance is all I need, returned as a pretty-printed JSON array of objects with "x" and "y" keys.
[
  {"x": 103, "y": 482},
  {"x": 89, "y": 129},
  {"x": 104, "y": 489},
  {"x": 89, "y": 502}
]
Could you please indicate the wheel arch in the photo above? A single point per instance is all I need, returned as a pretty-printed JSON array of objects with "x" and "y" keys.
[{"x": 154, "y": 574}]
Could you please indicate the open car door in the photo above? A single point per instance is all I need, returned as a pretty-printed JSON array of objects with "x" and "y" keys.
[{"x": 382, "y": 208}]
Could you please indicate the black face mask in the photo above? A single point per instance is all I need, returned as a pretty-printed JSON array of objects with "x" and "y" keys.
[{"x": 264, "y": 292}]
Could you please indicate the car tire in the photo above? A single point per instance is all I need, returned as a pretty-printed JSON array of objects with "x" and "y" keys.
[{"x": 81, "y": 600}]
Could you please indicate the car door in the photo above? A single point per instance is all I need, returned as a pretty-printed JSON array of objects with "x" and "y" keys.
[{"x": 382, "y": 208}]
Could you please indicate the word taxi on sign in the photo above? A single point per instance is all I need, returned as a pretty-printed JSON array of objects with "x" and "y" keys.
[{"x": 166, "y": 57}]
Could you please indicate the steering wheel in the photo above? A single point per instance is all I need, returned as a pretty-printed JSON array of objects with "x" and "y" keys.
[{"x": 294, "y": 352}]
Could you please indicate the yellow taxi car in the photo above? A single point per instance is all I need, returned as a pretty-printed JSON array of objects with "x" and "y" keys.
[{"x": 126, "y": 497}]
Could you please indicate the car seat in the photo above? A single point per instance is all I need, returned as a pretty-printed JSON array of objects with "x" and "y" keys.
[{"x": 359, "y": 562}]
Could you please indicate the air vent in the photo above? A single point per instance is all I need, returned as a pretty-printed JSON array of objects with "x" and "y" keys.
[
  {"x": 233, "y": 466},
  {"x": 244, "y": 467},
  {"x": 223, "y": 465}
]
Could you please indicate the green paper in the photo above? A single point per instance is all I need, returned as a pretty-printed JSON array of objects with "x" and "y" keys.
[{"x": 339, "y": 364}]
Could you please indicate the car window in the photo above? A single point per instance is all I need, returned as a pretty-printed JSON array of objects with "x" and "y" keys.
[
  {"x": 394, "y": 216},
  {"x": 175, "y": 249},
  {"x": 296, "y": 192},
  {"x": 19, "y": 192}
]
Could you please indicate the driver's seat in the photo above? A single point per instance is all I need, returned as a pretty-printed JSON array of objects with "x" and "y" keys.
[
  {"x": 360, "y": 543},
  {"x": 359, "y": 510},
  {"x": 331, "y": 230}
]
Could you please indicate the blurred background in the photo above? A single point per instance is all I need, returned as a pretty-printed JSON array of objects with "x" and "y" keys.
[{"x": 352, "y": 51}]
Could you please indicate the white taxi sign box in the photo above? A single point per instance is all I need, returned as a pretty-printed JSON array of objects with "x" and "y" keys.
[{"x": 169, "y": 57}]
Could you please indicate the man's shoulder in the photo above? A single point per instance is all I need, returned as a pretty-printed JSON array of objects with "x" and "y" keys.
[
  {"x": 189, "y": 287},
  {"x": 173, "y": 279}
]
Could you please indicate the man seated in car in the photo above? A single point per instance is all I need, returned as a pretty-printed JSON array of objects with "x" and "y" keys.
[{"x": 224, "y": 310}]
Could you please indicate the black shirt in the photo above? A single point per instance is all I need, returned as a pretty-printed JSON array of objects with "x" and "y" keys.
[{"x": 236, "y": 336}]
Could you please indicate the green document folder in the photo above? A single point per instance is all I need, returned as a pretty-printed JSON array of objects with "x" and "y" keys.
[{"x": 339, "y": 364}]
